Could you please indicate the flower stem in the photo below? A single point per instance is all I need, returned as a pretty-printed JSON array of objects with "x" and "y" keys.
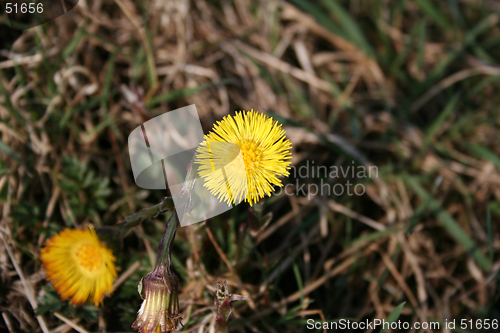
[
  {"x": 135, "y": 219},
  {"x": 113, "y": 235},
  {"x": 166, "y": 242}
]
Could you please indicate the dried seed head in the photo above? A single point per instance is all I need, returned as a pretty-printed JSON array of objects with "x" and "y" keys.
[{"x": 222, "y": 302}]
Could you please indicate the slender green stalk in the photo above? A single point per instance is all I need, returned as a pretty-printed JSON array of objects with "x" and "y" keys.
[
  {"x": 113, "y": 235},
  {"x": 134, "y": 220},
  {"x": 166, "y": 204},
  {"x": 165, "y": 246}
]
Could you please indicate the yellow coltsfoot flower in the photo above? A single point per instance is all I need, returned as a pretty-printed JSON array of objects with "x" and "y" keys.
[
  {"x": 79, "y": 265},
  {"x": 243, "y": 157}
]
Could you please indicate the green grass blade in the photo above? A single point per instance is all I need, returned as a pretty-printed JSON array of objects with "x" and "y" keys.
[
  {"x": 74, "y": 43},
  {"x": 298, "y": 278},
  {"x": 483, "y": 152},
  {"x": 490, "y": 233},
  {"x": 375, "y": 235},
  {"x": 170, "y": 96},
  {"x": 320, "y": 16},
  {"x": 12, "y": 154},
  {"x": 393, "y": 316},
  {"x": 79, "y": 108},
  {"x": 349, "y": 26},
  {"x": 434, "y": 14},
  {"x": 451, "y": 226},
  {"x": 8, "y": 104},
  {"x": 448, "y": 109},
  {"x": 484, "y": 25}
]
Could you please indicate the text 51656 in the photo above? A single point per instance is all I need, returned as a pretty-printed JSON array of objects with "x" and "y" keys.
[{"x": 14, "y": 8}]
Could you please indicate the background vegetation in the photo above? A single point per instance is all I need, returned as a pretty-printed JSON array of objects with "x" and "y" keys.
[{"x": 412, "y": 87}]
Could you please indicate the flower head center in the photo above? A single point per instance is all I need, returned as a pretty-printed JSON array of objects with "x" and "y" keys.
[
  {"x": 250, "y": 152},
  {"x": 89, "y": 257}
]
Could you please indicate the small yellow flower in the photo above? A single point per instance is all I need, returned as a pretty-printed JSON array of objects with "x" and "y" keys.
[
  {"x": 79, "y": 265},
  {"x": 243, "y": 157}
]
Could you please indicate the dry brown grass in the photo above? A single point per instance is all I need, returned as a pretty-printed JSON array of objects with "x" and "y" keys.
[{"x": 70, "y": 91}]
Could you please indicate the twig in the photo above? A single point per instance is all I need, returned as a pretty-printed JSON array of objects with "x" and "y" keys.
[
  {"x": 222, "y": 255},
  {"x": 452, "y": 79},
  {"x": 346, "y": 211},
  {"x": 27, "y": 288},
  {"x": 126, "y": 275},
  {"x": 149, "y": 50},
  {"x": 28, "y": 59},
  {"x": 70, "y": 323}
]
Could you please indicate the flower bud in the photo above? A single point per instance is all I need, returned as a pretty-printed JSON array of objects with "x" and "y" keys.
[{"x": 159, "y": 312}]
